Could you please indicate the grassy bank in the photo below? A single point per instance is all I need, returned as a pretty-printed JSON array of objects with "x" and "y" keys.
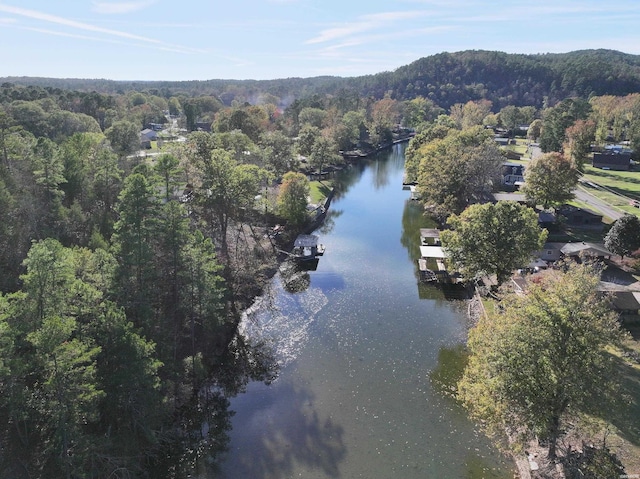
[{"x": 319, "y": 190}]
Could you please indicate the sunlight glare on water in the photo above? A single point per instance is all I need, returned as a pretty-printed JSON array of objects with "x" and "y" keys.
[{"x": 365, "y": 356}]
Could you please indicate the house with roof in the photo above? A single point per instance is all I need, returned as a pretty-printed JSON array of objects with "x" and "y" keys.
[
  {"x": 612, "y": 160},
  {"x": 551, "y": 251},
  {"x": 148, "y": 134},
  {"x": 512, "y": 174},
  {"x": 203, "y": 126},
  {"x": 583, "y": 249},
  {"x": 584, "y": 217},
  {"x": 626, "y": 302},
  {"x": 517, "y": 197}
]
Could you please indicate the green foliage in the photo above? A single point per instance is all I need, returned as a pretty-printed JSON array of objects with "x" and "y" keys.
[
  {"x": 307, "y": 138},
  {"x": 430, "y": 132},
  {"x": 511, "y": 117},
  {"x": 167, "y": 167},
  {"x": 556, "y": 120},
  {"x": 349, "y": 131},
  {"x": 456, "y": 169},
  {"x": 312, "y": 116},
  {"x": 278, "y": 152},
  {"x": 124, "y": 137},
  {"x": 542, "y": 358},
  {"x": 227, "y": 191},
  {"x": 419, "y": 111},
  {"x": 323, "y": 153},
  {"x": 293, "y": 198},
  {"x": 550, "y": 180},
  {"x": 624, "y": 236},
  {"x": 493, "y": 239}
]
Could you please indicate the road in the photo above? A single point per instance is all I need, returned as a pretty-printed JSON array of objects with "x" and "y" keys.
[
  {"x": 596, "y": 203},
  {"x": 582, "y": 194}
]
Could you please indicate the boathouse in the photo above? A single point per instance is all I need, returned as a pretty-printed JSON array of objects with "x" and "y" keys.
[{"x": 306, "y": 247}]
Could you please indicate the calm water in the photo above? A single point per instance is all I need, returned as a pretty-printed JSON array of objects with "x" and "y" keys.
[{"x": 365, "y": 356}]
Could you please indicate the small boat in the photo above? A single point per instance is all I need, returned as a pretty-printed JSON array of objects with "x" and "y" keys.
[{"x": 307, "y": 248}]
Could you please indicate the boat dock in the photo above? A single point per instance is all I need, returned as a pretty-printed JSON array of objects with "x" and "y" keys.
[
  {"x": 307, "y": 248},
  {"x": 431, "y": 253}
]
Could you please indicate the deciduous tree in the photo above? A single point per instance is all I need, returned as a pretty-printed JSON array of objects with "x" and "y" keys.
[
  {"x": 124, "y": 137},
  {"x": 456, "y": 169},
  {"x": 493, "y": 239},
  {"x": 556, "y": 120},
  {"x": 550, "y": 180},
  {"x": 542, "y": 357},
  {"x": 293, "y": 198},
  {"x": 624, "y": 236},
  {"x": 578, "y": 139}
]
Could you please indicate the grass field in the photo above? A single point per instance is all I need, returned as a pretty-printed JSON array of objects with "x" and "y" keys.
[
  {"x": 319, "y": 190},
  {"x": 615, "y": 183},
  {"x": 624, "y": 418}
]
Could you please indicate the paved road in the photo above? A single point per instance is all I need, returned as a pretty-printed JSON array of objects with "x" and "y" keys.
[
  {"x": 583, "y": 195},
  {"x": 597, "y": 204}
]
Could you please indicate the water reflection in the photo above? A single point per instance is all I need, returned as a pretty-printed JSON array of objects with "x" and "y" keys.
[
  {"x": 203, "y": 433},
  {"x": 295, "y": 278},
  {"x": 356, "y": 346},
  {"x": 330, "y": 221},
  {"x": 413, "y": 218},
  {"x": 448, "y": 372},
  {"x": 296, "y": 434}
]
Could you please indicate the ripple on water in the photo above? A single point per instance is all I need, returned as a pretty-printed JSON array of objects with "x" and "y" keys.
[{"x": 283, "y": 321}]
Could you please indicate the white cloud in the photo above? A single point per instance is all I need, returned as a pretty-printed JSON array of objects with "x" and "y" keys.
[
  {"x": 364, "y": 24},
  {"x": 45, "y": 17},
  {"x": 121, "y": 7},
  {"x": 35, "y": 15}
]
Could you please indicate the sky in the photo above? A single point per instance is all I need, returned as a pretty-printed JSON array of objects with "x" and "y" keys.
[{"x": 268, "y": 39}]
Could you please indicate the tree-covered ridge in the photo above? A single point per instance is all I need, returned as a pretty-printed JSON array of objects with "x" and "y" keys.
[
  {"x": 515, "y": 79},
  {"x": 445, "y": 78}
]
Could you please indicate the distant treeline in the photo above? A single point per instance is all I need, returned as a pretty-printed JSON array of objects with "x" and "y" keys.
[{"x": 447, "y": 78}]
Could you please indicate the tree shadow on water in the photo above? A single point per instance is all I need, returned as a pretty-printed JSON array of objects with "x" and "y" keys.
[{"x": 283, "y": 434}]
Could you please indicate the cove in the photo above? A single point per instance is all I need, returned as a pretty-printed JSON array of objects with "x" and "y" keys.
[{"x": 367, "y": 354}]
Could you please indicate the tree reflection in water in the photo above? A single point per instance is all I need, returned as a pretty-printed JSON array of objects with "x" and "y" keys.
[{"x": 202, "y": 434}]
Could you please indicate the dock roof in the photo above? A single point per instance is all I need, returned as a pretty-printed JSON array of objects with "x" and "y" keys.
[
  {"x": 429, "y": 233},
  {"x": 432, "y": 252},
  {"x": 306, "y": 241}
]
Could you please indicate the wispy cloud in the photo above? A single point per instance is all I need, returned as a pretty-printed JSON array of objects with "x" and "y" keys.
[
  {"x": 45, "y": 17},
  {"x": 106, "y": 40},
  {"x": 35, "y": 15},
  {"x": 110, "y": 8},
  {"x": 364, "y": 24}
]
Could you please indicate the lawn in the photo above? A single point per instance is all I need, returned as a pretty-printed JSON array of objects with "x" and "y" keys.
[
  {"x": 319, "y": 190},
  {"x": 624, "y": 419},
  {"x": 626, "y": 183}
]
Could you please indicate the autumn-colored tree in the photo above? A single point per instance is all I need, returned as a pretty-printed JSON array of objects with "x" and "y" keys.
[
  {"x": 550, "y": 180},
  {"x": 293, "y": 198},
  {"x": 542, "y": 358},
  {"x": 578, "y": 140}
]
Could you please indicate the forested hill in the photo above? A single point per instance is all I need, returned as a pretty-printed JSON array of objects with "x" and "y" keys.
[
  {"x": 445, "y": 78},
  {"x": 510, "y": 79}
]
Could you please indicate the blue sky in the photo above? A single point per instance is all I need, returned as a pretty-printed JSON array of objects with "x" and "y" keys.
[{"x": 267, "y": 39}]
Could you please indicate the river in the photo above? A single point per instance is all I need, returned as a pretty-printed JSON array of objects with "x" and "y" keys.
[{"x": 367, "y": 355}]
